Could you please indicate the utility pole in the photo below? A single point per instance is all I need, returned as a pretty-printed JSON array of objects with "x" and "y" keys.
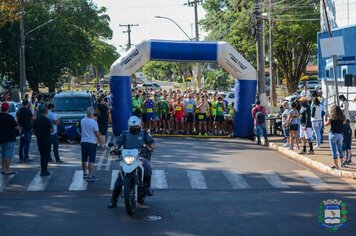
[
  {"x": 272, "y": 79},
  {"x": 195, "y": 4},
  {"x": 22, "y": 54},
  {"x": 260, "y": 54},
  {"x": 128, "y": 31}
]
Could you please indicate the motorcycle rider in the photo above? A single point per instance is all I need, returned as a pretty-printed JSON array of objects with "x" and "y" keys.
[{"x": 134, "y": 138}]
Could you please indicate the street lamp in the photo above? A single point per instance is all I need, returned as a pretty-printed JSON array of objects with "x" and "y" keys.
[
  {"x": 23, "y": 36},
  {"x": 167, "y": 18}
]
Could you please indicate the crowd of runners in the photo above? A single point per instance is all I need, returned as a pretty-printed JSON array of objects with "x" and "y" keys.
[{"x": 183, "y": 112}]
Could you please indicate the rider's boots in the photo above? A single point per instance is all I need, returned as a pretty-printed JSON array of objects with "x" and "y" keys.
[
  {"x": 147, "y": 181},
  {"x": 115, "y": 194}
]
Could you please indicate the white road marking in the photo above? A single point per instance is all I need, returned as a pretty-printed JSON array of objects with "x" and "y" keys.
[
  {"x": 312, "y": 179},
  {"x": 78, "y": 183},
  {"x": 159, "y": 180},
  {"x": 273, "y": 179},
  {"x": 108, "y": 140},
  {"x": 236, "y": 181},
  {"x": 4, "y": 180},
  {"x": 114, "y": 174},
  {"x": 39, "y": 183},
  {"x": 102, "y": 157},
  {"x": 196, "y": 179}
]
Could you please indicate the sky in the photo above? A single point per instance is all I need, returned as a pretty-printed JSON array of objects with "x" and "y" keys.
[{"x": 143, "y": 12}]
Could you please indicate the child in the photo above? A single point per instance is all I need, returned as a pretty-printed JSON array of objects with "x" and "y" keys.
[{"x": 346, "y": 146}]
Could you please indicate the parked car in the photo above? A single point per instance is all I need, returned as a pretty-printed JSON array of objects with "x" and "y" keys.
[
  {"x": 149, "y": 85},
  {"x": 229, "y": 96},
  {"x": 291, "y": 97},
  {"x": 71, "y": 107},
  {"x": 311, "y": 84}
]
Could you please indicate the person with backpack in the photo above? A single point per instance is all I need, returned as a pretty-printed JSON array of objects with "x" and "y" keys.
[{"x": 259, "y": 118}]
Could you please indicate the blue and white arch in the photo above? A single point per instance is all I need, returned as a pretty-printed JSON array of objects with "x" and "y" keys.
[{"x": 186, "y": 51}]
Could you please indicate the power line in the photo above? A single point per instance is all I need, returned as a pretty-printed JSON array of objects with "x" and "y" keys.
[{"x": 128, "y": 31}]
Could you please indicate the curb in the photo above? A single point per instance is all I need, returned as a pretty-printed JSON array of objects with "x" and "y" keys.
[{"x": 313, "y": 164}]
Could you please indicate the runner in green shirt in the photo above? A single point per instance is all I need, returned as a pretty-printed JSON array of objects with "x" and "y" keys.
[{"x": 136, "y": 106}]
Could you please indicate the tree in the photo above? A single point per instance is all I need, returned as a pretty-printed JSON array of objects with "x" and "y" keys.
[
  {"x": 294, "y": 31},
  {"x": 217, "y": 79},
  {"x": 295, "y": 40},
  {"x": 74, "y": 40},
  {"x": 164, "y": 70},
  {"x": 9, "y": 11}
]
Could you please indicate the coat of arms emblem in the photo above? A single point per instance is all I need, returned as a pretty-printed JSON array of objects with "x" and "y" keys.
[{"x": 332, "y": 214}]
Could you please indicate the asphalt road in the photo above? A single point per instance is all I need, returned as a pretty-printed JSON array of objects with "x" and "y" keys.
[{"x": 206, "y": 187}]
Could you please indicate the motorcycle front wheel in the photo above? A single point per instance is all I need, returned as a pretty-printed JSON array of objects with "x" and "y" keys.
[{"x": 129, "y": 195}]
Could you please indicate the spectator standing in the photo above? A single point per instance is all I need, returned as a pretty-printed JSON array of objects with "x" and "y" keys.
[
  {"x": 90, "y": 136},
  {"x": 39, "y": 106},
  {"x": 316, "y": 119},
  {"x": 103, "y": 118},
  {"x": 43, "y": 128},
  {"x": 336, "y": 119},
  {"x": 24, "y": 119},
  {"x": 8, "y": 128},
  {"x": 306, "y": 134},
  {"x": 285, "y": 127},
  {"x": 323, "y": 112},
  {"x": 259, "y": 117},
  {"x": 344, "y": 106},
  {"x": 346, "y": 146},
  {"x": 305, "y": 92},
  {"x": 54, "y": 135},
  {"x": 293, "y": 124}
]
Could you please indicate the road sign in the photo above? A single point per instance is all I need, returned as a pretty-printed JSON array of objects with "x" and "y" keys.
[{"x": 342, "y": 61}]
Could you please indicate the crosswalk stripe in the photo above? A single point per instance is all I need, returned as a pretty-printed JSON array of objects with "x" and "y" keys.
[
  {"x": 273, "y": 179},
  {"x": 312, "y": 179},
  {"x": 4, "y": 180},
  {"x": 39, "y": 183},
  {"x": 108, "y": 140},
  {"x": 236, "y": 181},
  {"x": 78, "y": 183},
  {"x": 114, "y": 174},
  {"x": 196, "y": 179},
  {"x": 159, "y": 180}
]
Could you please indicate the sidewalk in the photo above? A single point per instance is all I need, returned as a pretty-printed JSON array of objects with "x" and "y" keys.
[{"x": 321, "y": 160}]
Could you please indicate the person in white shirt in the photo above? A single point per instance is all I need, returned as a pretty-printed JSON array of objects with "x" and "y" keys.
[
  {"x": 305, "y": 92},
  {"x": 88, "y": 143},
  {"x": 54, "y": 136},
  {"x": 316, "y": 119}
]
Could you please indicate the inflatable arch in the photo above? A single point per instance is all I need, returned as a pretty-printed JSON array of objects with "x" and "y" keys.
[{"x": 186, "y": 51}]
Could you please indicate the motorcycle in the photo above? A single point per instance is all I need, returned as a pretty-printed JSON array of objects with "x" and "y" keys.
[{"x": 132, "y": 174}]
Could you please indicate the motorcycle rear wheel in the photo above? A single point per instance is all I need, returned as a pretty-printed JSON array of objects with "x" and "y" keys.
[{"x": 130, "y": 202}]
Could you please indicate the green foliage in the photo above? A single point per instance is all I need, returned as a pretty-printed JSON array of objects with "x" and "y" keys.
[
  {"x": 217, "y": 79},
  {"x": 75, "y": 39},
  {"x": 293, "y": 31},
  {"x": 9, "y": 10},
  {"x": 165, "y": 70}
]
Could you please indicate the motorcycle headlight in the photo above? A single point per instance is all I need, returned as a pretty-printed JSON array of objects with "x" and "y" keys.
[{"x": 129, "y": 159}]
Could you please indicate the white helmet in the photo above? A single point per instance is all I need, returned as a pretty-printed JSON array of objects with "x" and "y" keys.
[{"x": 134, "y": 122}]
